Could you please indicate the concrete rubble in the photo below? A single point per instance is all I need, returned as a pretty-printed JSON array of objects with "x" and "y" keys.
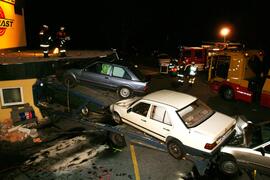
[{"x": 11, "y": 133}]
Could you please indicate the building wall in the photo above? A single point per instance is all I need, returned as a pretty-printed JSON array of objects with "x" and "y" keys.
[
  {"x": 12, "y": 26},
  {"x": 26, "y": 85}
]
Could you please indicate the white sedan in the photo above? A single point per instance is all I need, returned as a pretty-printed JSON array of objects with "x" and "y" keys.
[{"x": 183, "y": 122}]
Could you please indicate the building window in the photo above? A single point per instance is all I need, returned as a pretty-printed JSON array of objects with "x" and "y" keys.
[{"x": 11, "y": 96}]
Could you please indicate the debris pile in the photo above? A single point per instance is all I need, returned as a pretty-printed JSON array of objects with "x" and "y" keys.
[{"x": 11, "y": 133}]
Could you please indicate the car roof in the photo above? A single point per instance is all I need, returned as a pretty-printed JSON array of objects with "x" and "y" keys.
[
  {"x": 172, "y": 98},
  {"x": 121, "y": 63}
]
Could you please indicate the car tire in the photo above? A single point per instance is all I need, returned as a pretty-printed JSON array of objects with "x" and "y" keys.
[
  {"x": 124, "y": 92},
  {"x": 227, "y": 93},
  {"x": 227, "y": 165},
  {"x": 116, "y": 117},
  {"x": 50, "y": 98},
  {"x": 175, "y": 149},
  {"x": 117, "y": 139},
  {"x": 85, "y": 111},
  {"x": 69, "y": 81}
]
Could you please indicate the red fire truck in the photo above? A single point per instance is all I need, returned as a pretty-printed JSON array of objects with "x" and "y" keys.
[{"x": 193, "y": 54}]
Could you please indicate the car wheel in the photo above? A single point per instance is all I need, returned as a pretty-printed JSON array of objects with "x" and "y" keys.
[
  {"x": 50, "y": 98},
  {"x": 117, "y": 118},
  {"x": 228, "y": 165},
  {"x": 69, "y": 81},
  {"x": 227, "y": 93},
  {"x": 175, "y": 149},
  {"x": 124, "y": 92},
  {"x": 85, "y": 111},
  {"x": 117, "y": 139}
]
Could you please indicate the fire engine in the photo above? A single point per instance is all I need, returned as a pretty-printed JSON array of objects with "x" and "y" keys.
[
  {"x": 193, "y": 54},
  {"x": 238, "y": 74},
  {"x": 198, "y": 55}
]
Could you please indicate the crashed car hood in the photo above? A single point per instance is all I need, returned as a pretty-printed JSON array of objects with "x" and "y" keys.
[
  {"x": 216, "y": 126},
  {"x": 127, "y": 102}
]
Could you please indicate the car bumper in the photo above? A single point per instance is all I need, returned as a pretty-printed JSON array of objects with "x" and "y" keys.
[{"x": 211, "y": 154}]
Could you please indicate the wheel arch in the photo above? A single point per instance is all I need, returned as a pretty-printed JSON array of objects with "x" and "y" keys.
[
  {"x": 225, "y": 154},
  {"x": 170, "y": 138},
  {"x": 71, "y": 75},
  {"x": 70, "y": 79},
  {"x": 125, "y": 85},
  {"x": 226, "y": 157},
  {"x": 227, "y": 86},
  {"x": 117, "y": 114}
]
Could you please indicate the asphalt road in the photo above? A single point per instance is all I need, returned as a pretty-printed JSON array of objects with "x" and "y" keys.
[{"x": 86, "y": 161}]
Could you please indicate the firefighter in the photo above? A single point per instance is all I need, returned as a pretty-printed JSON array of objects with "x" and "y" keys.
[
  {"x": 181, "y": 73},
  {"x": 62, "y": 38},
  {"x": 193, "y": 68},
  {"x": 45, "y": 40}
]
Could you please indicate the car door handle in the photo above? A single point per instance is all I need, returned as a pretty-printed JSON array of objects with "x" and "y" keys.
[
  {"x": 166, "y": 129},
  {"x": 143, "y": 120}
]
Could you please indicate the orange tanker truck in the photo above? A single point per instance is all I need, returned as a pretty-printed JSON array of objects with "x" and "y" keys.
[{"x": 238, "y": 75}]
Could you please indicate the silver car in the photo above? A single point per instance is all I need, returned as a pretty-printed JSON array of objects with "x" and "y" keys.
[
  {"x": 252, "y": 153},
  {"x": 113, "y": 74}
]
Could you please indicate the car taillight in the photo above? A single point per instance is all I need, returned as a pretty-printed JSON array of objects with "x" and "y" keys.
[
  {"x": 210, "y": 146},
  {"x": 174, "y": 69}
]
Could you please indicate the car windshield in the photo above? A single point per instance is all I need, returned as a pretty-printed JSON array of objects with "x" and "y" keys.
[
  {"x": 137, "y": 73},
  {"x": 195, "y": 113},
  {"x": 260, "y": 135}
]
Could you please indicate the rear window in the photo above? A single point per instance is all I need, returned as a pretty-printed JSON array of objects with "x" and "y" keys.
[
  {"x": 120, "y": 72},
  {"x": 138, "y": 73},
  {"x": 195, "y": 113}
]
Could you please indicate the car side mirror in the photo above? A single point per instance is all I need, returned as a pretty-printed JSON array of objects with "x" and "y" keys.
[
  {"x": 129, "y": 110},
  {"x": 262, "y": 151}
]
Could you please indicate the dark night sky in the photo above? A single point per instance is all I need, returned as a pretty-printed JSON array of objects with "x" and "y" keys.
[{"x": 106, "y": 24}]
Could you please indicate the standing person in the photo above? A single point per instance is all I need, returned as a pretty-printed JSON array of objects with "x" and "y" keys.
[
  {"x": 181, "y": 73},
  {"x": 45, "y": 40},
  {"x": 193, "y": 68},
  {"x": 62, "y": 38}
]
